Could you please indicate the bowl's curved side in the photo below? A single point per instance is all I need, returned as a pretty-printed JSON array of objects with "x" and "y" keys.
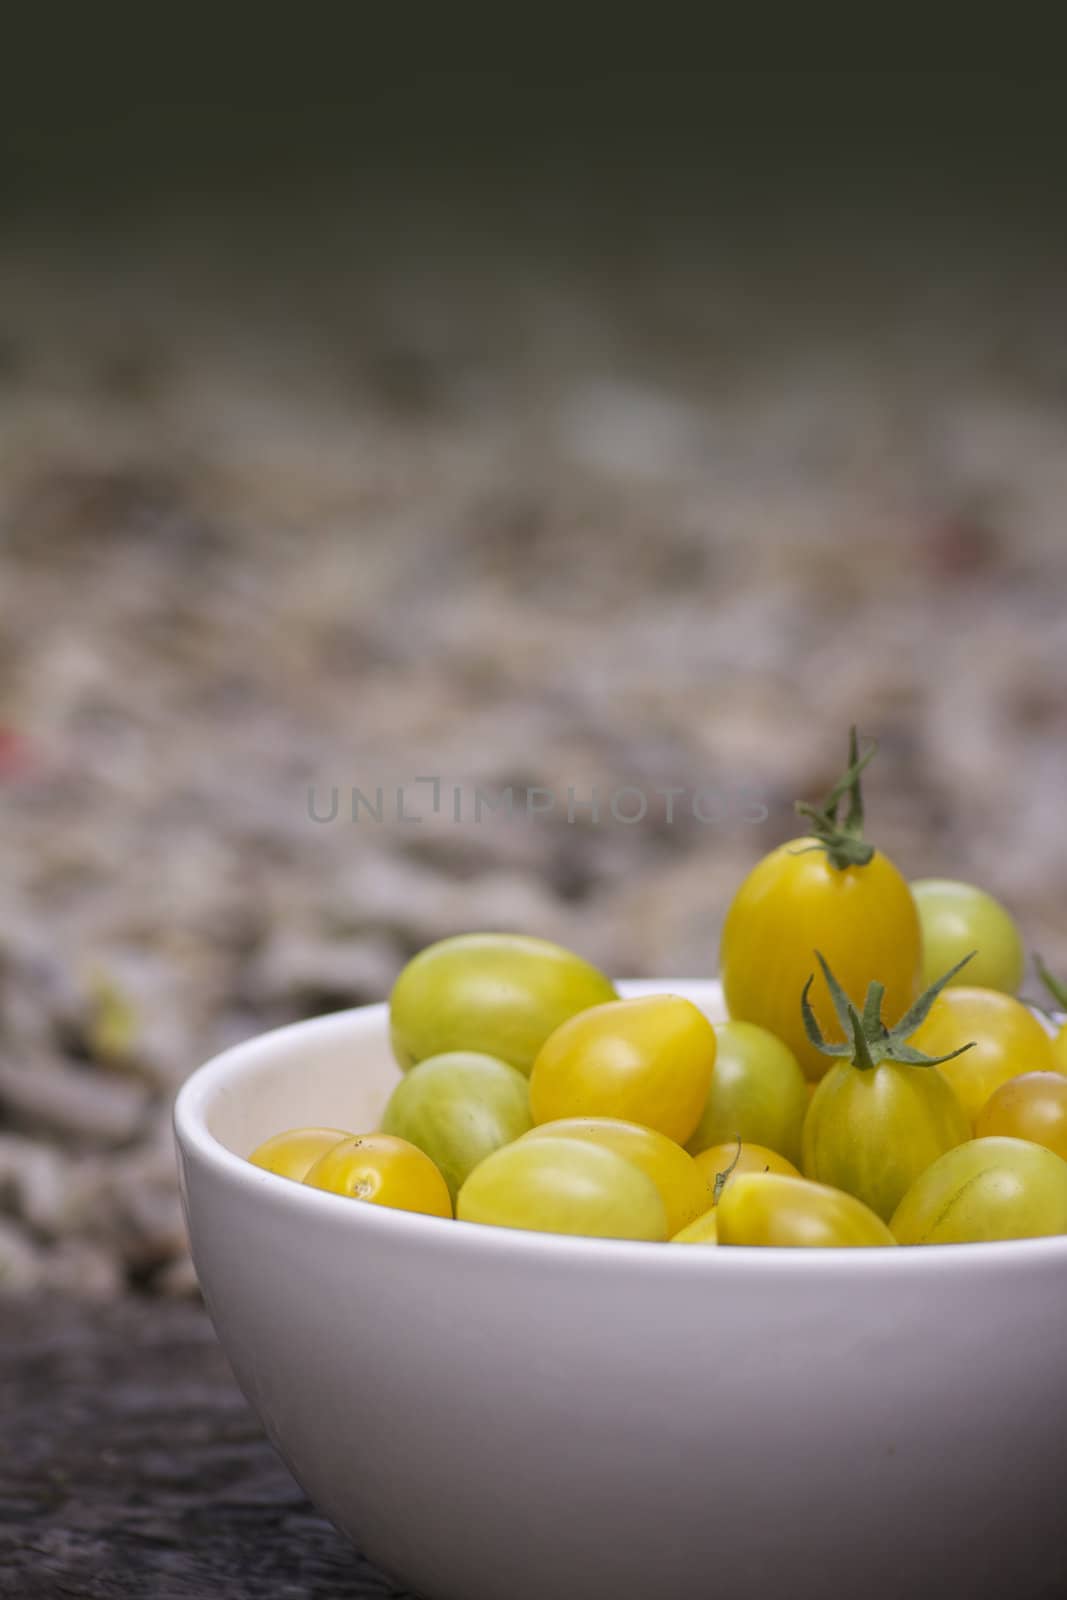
[
  {"x": 491, "y": 1414},
  {"x": 499, "y": 1422}
]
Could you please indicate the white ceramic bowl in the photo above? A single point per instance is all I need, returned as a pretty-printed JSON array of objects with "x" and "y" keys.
[{"x": 494, "y": 1415}]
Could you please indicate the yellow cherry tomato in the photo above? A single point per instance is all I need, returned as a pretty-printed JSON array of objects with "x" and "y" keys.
[
  {"x": 758, "y": 1092},
  {"x": 705, "y": 1230},
  {"x": 794, "y": 902},
  {"x": 675, "y": 1174},
  {"x": 293, "y": 1154},
  {"x": 1032, "y": 1107},
  {"x": 385, "y": 1171},
  {"x": 770, "y": 1209},
  {"x": 719, "y": 1159},
  {"x": 647, "y": 1060},
  {"x": 1008, "y": 1041}
]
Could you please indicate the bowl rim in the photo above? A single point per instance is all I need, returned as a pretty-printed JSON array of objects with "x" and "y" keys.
[{"x": 242, "y": 1060}]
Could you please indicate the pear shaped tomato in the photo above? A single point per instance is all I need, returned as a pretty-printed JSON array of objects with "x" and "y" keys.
[
  {"x": 646, "y": 1060},
  {"x": 957, "y": 917},
  {"x": 831, "y": 891},
  {"x": 458, "y": 1108},
  {"x": 758, "y": 1092},
  {"x": 883, "y": 1113},
  {"x": 770, "y": 1209},
  {"x": 680, "y": 1181},
  {"x": 551, "y": 1185},
  {"x": 994, "y": 1188},
  {"x": 495, "y": 994},
  {"x": 1008, "y": 1041}
]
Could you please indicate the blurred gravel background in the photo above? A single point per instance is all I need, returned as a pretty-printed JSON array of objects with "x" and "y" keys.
[{"x": 613, "y": 501}]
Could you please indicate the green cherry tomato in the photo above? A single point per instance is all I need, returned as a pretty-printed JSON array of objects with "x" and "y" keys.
[
  {"x": 498, "y": 994},
  {"x": 647, "y": 1060},
  {"x": 564, "y": 1186},
  {"x": 1008, "y": 1041},
  {"x": 872, "y": 1133},
  {"x": 459, "y": 1108},
  {"x": 758, "y": 1092},
  {"x": 1032, "y": 1107},
  {"x": 774, "y": 1210},
  {"x": 676, "y": 1175},
  {"x": 705, "y": 1230},
  {"x": 293, "y": 1154},
  {"x": 957, "y": 918},
  {"x": 986, "y": 1189}
]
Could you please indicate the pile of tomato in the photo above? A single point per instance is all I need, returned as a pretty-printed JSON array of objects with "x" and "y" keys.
[{"x": 878, "y": 1082}]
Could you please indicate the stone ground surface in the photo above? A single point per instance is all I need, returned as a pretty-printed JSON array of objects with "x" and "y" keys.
[
  {"x": 132, "y": 1467},
  {"x": 604, "y": 510}
]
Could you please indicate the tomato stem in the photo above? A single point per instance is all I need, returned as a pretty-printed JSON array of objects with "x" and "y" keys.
[
  {"x": 843, "y": 840},
  {"x": 722, "y": 1177}
]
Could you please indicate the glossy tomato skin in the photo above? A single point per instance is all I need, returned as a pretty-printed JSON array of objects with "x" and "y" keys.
[
  {"x": 758, "y": 1092},
  {"x": 1008, "y": 1041},
  {"x": 958, "y": 918},
  {"x": 676, "y": 1175},
  {"x": 1032, "y": 1107},
  {"x": 704, "y": 1230},
  {"x": 983, "y": 1190},
  {"x": 647, "y": 1060},
  {"x": 793, "y": 1213},
  {"x": 384, "y": 1171},
  {"x": 872, "y": 1133},
  {"x": 459, "y": 1108},
  {"x": 726, "y": 1158},
  {"x": 794, "y": 902},
  {"x": 497, "y": 994},
  {"x": 571, "y": 1186},
  {"x": 292, "y": 1154}
]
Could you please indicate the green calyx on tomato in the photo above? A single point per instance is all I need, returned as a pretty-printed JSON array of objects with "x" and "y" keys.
[
  {"x": 883, "y": 1112},
  {"x": 1058, "y": 991},
  {"x": 842, "y": 840},
  {"x": 871, "y": 1041}
]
